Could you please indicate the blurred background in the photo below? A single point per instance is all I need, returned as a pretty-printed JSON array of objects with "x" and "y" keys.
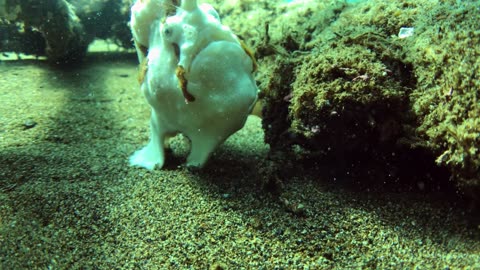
[{"x": 63, "y": 30}]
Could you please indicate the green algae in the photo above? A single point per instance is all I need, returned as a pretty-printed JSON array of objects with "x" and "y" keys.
[
  {"x": 359, "y": 89},
  {"x": 447, "y": 65}
]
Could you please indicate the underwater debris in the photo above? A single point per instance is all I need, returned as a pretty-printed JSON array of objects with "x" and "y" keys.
[
  {"x": 406, "y": 32},
  {"x": 29, "y": 123}
]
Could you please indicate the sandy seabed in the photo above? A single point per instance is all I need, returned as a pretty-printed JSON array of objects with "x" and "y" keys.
[{"x": 69, "y": 200}]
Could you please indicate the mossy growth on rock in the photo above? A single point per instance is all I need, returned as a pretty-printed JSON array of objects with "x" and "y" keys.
[
  {"x": 346, "y": 95},
  {"x": 446, "y": 57},
  {"x": 340, "y": 104},
  {"x": 357, "y": 98}
]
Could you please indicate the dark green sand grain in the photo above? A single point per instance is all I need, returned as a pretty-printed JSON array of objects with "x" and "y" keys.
[{"x": 69, "y": 200}]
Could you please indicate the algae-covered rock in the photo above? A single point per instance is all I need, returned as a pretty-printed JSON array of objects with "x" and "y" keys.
[
  {"x": 346, "y": 106},
  {"x": 347, "y": 96},
  {"x": 447, "y": 96},
  {"x": 378, "y": 106}
]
